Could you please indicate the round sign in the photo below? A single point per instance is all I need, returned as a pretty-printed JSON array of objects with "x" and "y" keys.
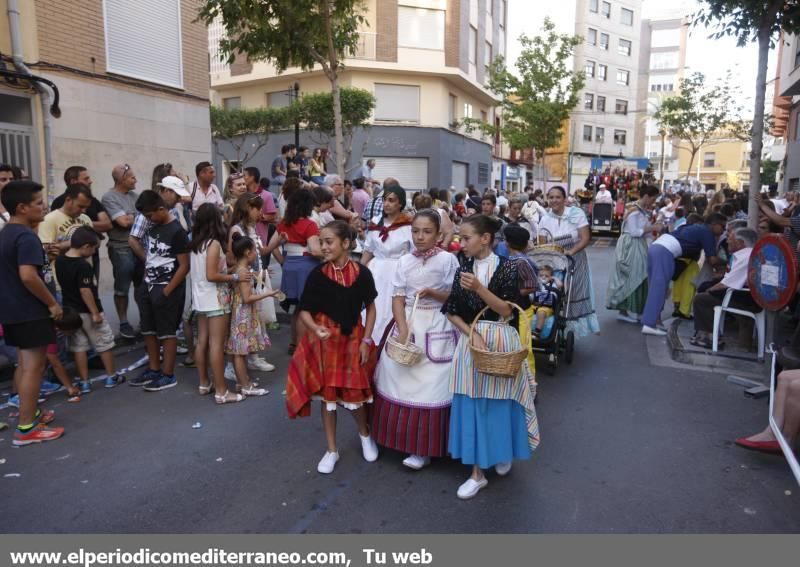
[{"x": 772, "y": 272}]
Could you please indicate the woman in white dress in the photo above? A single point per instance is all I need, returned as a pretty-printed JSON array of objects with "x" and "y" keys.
[
  {"x": 388, "y": 239},
  {"x": 412, "y": 404},
  {"x": 568, "y": 227}
]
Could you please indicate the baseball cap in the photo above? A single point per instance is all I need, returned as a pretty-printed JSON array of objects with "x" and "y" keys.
[{"x": 174, "y": 184}]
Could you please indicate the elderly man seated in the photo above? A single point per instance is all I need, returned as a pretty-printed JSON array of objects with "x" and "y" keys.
[{"x": 740, "y": 247}]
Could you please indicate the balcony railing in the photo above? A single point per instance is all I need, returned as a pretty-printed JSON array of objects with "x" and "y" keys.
[{"x": 366, "y": 47}]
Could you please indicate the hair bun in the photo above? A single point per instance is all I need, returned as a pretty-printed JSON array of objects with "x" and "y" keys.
[
  {"x": 236, "y": 236},
  {"x": 495, "y": 223}
]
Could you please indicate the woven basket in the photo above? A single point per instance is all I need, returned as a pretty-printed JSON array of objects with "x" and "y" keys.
[
  {"x": 503, "y": 364},
  {"x": 407, "y": 353}
]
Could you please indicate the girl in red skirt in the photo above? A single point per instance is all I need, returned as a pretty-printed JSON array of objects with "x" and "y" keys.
[{"x": 331, "y": 363}]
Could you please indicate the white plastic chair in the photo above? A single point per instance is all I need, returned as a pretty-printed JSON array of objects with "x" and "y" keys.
[{"x": 719, "y": 322}]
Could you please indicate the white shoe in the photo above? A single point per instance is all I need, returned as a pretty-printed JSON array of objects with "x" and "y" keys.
[
  {"x": 471, "y": 488},
  {"x": 502, "y": 468},
  {"x": 627, "y": 319},
  {"x": 328, "y": 462},
  {"x": 258, "y": 363},
  {"x": 416, "y": 462},
  {"x": 254, "y": 390},
  {"x": 646, "y": 330},
  {"x": 369, "y": 448},
  {"x": 230, "y": 372}
]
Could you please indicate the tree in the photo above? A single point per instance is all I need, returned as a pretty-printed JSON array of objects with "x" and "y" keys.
[
  {"x": 769, "y": 170},
  {"x": 748, "y": 21},
  {"x": 538, "y": 98},
  {"x": 316, "y": 111},
  {"x": 250, "y": 128},
  {"x": 301, "y": 33},
  {"x": 699, "y": 114}
]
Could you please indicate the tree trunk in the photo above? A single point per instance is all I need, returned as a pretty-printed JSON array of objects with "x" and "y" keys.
[
  {"x": 757, "y": 142},
  {"x": 692, "y": 155},
  {"x": 333, "y": 77}
]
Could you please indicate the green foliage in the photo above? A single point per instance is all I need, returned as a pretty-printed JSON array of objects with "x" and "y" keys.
[
  {"x": 238, "y": 126},
  {"x": 538, "y": 98},
  {"x": 315, "y": 110},
  {"x": 287, "y": 32},
  {"x": 769, "y": 169},
  {"x": 743, "y": 19},
  {"x": 699, "y": 114}
]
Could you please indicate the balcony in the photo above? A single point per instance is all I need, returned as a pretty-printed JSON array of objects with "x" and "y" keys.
[{"x": 366, "y": 47}]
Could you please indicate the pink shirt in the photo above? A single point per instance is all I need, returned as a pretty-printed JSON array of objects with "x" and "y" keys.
[
  {"x": 212, "y": 196},
  {"x": 269, "y": 208},
  {"x": 360, "y": 200}
]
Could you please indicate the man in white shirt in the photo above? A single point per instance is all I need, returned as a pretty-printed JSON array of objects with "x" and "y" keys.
[
  {"x": 741, "y": 246},
  {"x": 366, "y": 169},
  {"x": 603, "y": 196},
  {"x": 203, "y": 190}
]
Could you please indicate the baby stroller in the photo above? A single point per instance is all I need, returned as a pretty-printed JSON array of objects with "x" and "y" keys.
[{"x": 555, "y": 341}]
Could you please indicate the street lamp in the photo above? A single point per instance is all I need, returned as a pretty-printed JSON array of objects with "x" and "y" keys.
[{"x": 294, "y": 93}]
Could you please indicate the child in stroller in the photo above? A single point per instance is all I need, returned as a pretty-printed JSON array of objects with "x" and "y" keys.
[{"x": 545, "y": 298}]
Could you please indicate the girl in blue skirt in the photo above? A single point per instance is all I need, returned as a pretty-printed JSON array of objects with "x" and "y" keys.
[{"x": 492, "y": 419}]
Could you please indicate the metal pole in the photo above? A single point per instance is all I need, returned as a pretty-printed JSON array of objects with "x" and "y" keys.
[
  {"x": 296, "y": 124},
  {"x": 569, "y": 157},
  {"x": 663, "y": 158}
]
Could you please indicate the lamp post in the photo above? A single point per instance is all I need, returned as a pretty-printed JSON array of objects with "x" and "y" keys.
[
  {"x": 663, "y": 134},
  {"x": 294, "y": 93}
]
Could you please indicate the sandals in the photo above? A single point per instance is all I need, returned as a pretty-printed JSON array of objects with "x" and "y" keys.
[
  {"x": 252, "y": 389},
  {"x": 188, "y": 362},
  {"x": 205, "y": 390},
  {"x": 228, "y": 398}
]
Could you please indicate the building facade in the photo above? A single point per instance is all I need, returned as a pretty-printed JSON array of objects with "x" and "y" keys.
[
  {"x": 719, "y": 163},
  {"x": 132, "y": 80},
  {"x": 426, "y": 63},
  {"x": 662, "y": 64},
  {"x": 786, "y": 109}
]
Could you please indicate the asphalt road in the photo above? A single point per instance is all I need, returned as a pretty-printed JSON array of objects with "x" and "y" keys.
[{"x": 626, "y": 447}]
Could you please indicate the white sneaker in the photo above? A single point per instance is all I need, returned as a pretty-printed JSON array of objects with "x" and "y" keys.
[
  {"x": 416, "y": 462},
  {"x": 471, "y": 488},
  {"x": 258, "y": 363},
  {"x": 230, "y": 372},
  {"x": 369, "y": 448},
  {"x": 646, "y": 330},
  {"x": 502, "y": 468},
  {"x": 328, "y": 462},
  {"x": 627, "y": 319}
]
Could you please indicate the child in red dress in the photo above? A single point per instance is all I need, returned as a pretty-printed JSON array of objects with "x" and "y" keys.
[{"x": 331, "y": 363}]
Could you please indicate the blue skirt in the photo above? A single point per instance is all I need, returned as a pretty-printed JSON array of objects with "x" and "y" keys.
[
  {"x": 487, "y": 432},
  {"x": 295, "y": 274}
]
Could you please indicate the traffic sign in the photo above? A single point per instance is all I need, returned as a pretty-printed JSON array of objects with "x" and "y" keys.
[{"x": 772, "y": 272}]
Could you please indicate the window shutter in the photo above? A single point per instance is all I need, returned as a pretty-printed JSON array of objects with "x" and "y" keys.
[
  {"x": 143, "y": 40},
  {"x": 397, "y": 103},
  {"x": 412, "y": 173}
]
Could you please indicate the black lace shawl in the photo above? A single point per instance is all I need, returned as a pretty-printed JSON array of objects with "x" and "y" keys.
[
  {"x": 342, "y": 304},
  {"x": 504, "y": 284}
]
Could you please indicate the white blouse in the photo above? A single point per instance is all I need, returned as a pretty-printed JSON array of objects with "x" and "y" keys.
[
  {"x": 635, "y": 223},
  {"x": 412, "y": 276},
  {"x": 568, "y": 224},
  {"x": 398, "y": 243}
]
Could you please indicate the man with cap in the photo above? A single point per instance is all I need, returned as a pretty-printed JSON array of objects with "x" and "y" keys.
[{"x": 120, "y": 203}]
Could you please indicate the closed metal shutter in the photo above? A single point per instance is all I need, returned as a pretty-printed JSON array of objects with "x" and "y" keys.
[
  {"x": 460, "y": 178},
  {"x": 412, "y": 173},
  {"x": 396, "y": 103},
  {"x": 143, "y": 40}
]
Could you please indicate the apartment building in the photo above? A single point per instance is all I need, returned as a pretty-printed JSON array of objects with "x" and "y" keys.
[
  {"x": 786, "y": 109},
  {"x": 662, "y": 65},
  {"x": 426, "y": 63},
  {"x": 132, "y": 82},
  {"x": 722, "y": 162}
]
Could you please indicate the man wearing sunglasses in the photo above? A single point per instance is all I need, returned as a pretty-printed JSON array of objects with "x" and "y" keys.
[{"x": 120, "y": 203}]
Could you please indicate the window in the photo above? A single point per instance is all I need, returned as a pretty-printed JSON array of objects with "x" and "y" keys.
[
  {"x": 591, "y": 37},
  {"x": 487, "y": 55},
  {"x": 502, "y": 13},
  {"x": 602, "y": 72},
  {"x": 626, "y": 17},
  {"x": 664, "y": 60},
  {"x": 605, "y": 9},
  {"x": 232, "y": 103},
  {"x": 588, "y": 101},
  {"x": 620, "y": 137},
  {"x": 709, "y": 159},
  {"x": 601, "y": 104},
  {"x": 397, "y": 103},
  {"x": 599, "y": 134},
  {"x": 623, "y": 77},
  {"x": 279, "y": 99},
  {"x": 624, "y": 47},
  {"x": 452, "y": 112},
  {"x": 467, "y": 110},
  {"x": 143, "y": 40},
  {"x": 587, "y": 133},
  {"x": 484, "y": 116},
  {"x": 665, "y": 38},
  {"x": 604, "y": 41},
  {"x": 589, "y": 68},
  {"x": 621, "y": 107},
  {"x": 593, "y": 4},
  {"x": 473, "y": 45},
  {"x": 420, "y": 28}
]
